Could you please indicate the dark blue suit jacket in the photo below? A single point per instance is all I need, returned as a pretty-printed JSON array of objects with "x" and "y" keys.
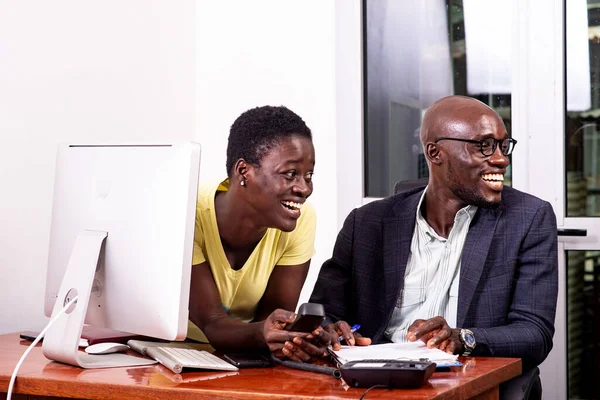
[{"x": 508, "y": 277}]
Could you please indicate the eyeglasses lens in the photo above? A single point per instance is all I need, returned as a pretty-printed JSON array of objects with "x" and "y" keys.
[
  {"x": 507, "y": 146},
  {"x": 488, "y": 146}
]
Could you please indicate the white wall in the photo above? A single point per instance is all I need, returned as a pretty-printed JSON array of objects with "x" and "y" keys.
[
  {"x": 83, "y": 71},
  {"x": 78, "y": 71}
]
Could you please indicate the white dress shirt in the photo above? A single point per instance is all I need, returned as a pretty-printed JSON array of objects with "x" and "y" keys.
[{"x": 432, "y": 274}]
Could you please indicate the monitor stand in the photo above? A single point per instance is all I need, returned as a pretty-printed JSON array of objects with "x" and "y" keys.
[{"x": 61, "y": 342}]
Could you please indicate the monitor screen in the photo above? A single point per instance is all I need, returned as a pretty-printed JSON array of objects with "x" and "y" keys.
[{"x": 143, "y": 198}]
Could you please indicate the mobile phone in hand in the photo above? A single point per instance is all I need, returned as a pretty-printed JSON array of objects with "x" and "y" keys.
[{"x": 310, "y": 317}]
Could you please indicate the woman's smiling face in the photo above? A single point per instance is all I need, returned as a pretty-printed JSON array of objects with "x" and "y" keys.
[{"x": 279, "y": 186}]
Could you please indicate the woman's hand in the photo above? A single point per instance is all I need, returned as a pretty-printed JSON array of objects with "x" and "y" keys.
[
  {"x": 343, "y": 330},
  {"x": 297, "y": 346},
  {"x": 308, "y": 348}
]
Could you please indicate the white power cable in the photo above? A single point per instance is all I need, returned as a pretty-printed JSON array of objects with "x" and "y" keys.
[{"x": 32, "y": 345}]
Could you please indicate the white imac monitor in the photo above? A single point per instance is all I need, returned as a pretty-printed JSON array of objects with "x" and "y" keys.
[{"x": 121, "y": 240}]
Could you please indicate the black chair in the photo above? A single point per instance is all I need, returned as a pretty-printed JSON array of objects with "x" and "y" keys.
[
  {"x": 409, "y": 184},
  {"x": 526, "y": 386}
]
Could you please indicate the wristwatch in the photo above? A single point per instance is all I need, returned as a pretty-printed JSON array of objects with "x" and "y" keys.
[{"x": 467, "y": 338}]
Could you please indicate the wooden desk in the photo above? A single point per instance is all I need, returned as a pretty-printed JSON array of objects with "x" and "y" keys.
[{"x": 40, "y": 378}]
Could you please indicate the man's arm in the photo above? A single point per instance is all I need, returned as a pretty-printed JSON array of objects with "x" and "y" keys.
[
  {"x": 530, "y": 327},
  {"x": 528, "y": 334},
  {"x": 333, "y": 286}
]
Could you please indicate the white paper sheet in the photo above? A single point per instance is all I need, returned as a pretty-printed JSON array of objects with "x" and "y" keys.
[{"x": 393, "y": 351}]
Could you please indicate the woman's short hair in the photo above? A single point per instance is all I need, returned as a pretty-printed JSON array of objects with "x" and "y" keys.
[{"x": 255, "y": 132}]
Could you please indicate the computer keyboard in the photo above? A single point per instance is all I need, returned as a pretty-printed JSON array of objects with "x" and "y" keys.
[{"x": 193, "y": 358}]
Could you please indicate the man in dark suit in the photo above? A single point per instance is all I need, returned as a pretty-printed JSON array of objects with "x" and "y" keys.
[{"x": 464, "y": 249}]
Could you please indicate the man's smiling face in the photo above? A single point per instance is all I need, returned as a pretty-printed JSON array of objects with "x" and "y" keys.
[{"x": 473, "y": 178}]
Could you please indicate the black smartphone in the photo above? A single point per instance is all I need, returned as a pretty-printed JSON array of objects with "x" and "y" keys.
[
  {"x": 247, "y": 360},
  {"x": 310, "y": 316},
  {"x": 29, "y": 335}
]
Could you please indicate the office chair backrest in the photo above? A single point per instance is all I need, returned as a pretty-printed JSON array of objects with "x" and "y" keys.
[{"x": 410, "y": 184}]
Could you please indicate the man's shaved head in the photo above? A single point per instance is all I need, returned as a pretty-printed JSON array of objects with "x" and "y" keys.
[{"x": 451, "y": 116}]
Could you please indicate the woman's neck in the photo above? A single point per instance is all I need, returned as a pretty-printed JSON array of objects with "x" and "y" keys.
[{"x": 237, "y": 228}]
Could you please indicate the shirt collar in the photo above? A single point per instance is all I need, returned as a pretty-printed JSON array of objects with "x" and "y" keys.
[{"x": 465, "y": 214}]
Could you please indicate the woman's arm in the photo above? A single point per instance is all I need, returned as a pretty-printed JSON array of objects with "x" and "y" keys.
[
  {"x": 227, "y": 334},
  {"x": 283, "y": 289}
]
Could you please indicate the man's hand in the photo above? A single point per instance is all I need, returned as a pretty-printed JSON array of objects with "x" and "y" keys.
[
  {"x": 297, "y": 346},
  {"x": 342, "y": 329},
  {"x": 435, "y": 332}
]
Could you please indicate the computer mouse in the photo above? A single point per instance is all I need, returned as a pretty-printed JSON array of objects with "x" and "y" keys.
[{"x": 106, "y": 348}]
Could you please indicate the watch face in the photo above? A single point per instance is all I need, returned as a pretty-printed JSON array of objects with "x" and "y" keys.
[{"x": 469, "y": 339}]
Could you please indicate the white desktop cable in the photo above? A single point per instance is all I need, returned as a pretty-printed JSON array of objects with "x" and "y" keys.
[{"x": 32, "y": 345}]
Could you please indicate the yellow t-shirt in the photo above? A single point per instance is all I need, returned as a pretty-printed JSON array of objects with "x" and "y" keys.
[{"x": 241, "y": 290}]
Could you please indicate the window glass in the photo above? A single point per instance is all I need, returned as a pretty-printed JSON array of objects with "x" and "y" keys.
[
  {"x": 416, "y": 52},
  {"x": 583, "y": 324},
  {"x": 582, "y": 132}
]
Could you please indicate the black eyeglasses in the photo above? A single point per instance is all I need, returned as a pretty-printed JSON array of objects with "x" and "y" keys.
[{"x": 488, "y": 146}]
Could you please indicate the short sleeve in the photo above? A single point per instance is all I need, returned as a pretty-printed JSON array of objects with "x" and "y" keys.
[
  {"x": 198, "y": 256},
  {"x": 300, "y": 246}
]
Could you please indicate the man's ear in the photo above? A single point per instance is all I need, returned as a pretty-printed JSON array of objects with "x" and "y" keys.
[{"x": 433, "y": 154}]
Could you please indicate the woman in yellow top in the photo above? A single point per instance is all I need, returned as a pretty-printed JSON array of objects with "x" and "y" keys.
[{"x": 254, "y": 238}]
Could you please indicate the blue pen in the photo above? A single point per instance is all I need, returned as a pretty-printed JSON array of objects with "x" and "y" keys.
[{"x": 353, "y": 329}]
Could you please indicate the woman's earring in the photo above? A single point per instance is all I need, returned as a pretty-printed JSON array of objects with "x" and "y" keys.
[{"x": 243, "y": 183}]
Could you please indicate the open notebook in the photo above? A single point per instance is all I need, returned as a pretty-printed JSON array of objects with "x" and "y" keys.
[{"x": 394, "y": 351}]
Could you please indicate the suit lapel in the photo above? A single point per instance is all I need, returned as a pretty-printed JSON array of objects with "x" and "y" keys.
[
  {"x": 397, "y": 236},
  {"x": 474, "y": 255}
]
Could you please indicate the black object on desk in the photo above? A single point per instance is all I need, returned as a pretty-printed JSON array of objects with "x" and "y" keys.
[
  {"x": 390, "y": 373},
  {"x": 248, "y": 360},
  {"x": 320, "y": 369}
]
